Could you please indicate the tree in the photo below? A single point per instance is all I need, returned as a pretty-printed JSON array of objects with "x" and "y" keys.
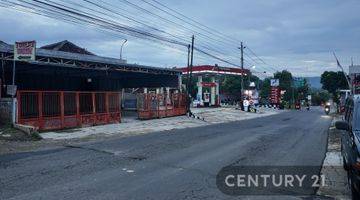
[
  {"x": 320, "y": 96},
  {"x": 334, "y": 81},
  {"x": 303, "y": 91},
  {"x": 265, "y": 89},
  {"x": 193, "y": 85},
  {"x": 285, "y": 78},
  {"x": 232, "y": 86}
]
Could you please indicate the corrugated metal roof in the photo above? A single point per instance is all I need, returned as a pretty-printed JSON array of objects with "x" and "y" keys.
[
  {"x": 7, "y": 48},
  {"x": 67, "y": 46}
]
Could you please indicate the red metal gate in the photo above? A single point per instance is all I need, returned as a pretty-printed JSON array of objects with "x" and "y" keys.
[
  {"x": 152, "y": 106},
  {"x": 48, "y": 110}
]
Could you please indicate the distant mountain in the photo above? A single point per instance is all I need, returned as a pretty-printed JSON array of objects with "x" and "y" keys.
[{"x": 314, "y": 82}]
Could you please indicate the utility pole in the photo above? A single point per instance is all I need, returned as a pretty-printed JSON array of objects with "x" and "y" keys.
[
  {"x": 13, "y": 95},
  {"x": 293, "y": 91},
  {"x": 249, "y": 78},
  {"x": 191, "y": 70},
  {"x": 242, "y": 70},
  {"x": 188, "y": 70}
]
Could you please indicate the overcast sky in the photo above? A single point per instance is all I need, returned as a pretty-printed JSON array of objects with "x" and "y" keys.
[{"x": 297, "y": 35}]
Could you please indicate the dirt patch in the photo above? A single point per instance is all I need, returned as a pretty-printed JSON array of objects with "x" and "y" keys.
[{"x": 8, "y": 133}]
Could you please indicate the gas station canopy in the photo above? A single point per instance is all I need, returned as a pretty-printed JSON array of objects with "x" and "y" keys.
[{"x": 209, "y": 69}]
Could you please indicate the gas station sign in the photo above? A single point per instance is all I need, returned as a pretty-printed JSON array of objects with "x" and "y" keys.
[
  {"x": 206, "y": 84},
  {"x": 275, "y": 95}
]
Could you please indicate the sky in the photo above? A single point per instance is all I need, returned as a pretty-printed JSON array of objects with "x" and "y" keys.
[{"x": 296, "y": 35}]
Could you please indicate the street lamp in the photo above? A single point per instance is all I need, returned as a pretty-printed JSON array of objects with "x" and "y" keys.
[{"x": 121, "y": 49}]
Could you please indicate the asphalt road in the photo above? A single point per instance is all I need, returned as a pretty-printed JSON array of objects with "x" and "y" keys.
[{"x": 177, "y": 164}]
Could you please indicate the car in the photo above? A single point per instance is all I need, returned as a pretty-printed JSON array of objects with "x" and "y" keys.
[{"x": 350, "y": 144}]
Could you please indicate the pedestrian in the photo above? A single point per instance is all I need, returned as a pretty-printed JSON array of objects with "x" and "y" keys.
[{"x": 246, "y": 105}]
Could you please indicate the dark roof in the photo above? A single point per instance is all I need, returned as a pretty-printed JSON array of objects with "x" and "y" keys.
[
  {"x": 67, "y": 46},
  {"x": 7, "y": 48},
  {"x": 3, "y": 43}
]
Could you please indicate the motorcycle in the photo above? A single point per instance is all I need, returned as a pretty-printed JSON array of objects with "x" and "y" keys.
[{"x": 327, "y": 108}]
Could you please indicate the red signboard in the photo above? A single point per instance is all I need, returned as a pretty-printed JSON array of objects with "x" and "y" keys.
[
  {"x": 356, "y": 86},
  {"x": 275, "y": 95},
  {"x": 205, "y": 84}
]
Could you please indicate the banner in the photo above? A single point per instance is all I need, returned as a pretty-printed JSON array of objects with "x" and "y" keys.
[{"x": 24, "y": 51}]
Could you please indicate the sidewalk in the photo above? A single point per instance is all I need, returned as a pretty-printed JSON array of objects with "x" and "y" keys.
[
  {"x": 135, "y": 127},
  {"x": 336, "y": 177}
]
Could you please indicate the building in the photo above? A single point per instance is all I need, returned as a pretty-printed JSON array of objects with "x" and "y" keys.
[
  {"x": 68, "y": 86},
  {"x": 354, "y": 75},
  {"x": 208, "y": 92}
]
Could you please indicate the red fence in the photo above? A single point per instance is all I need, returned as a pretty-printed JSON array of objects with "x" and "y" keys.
[
  {"x": 49, "y": 110},
  {"x": 152, "y": 106}
]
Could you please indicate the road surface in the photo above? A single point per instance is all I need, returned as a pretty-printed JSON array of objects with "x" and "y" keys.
[{"x": 177, "y": 164}]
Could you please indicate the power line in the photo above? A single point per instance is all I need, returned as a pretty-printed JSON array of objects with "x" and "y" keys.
[
  {"x": 76, "y": 15},
  {"x": 177, "y": 37},
  {"x": 206, "y": 27},
  {"x": 211, "y": 30},
  {"x": 70, "y": 14}
]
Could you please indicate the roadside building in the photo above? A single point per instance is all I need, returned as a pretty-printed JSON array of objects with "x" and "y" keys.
[
  {"x": 68, "y": 86},
  {"x": 354, "y": 75}
]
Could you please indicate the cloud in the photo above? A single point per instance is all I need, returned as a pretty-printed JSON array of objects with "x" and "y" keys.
[{"x": 297, "y": 35}]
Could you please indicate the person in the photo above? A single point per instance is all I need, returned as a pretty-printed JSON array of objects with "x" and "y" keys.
[
  {"x": 308, "y": 105},
  {"x": 246, "y": 104}
]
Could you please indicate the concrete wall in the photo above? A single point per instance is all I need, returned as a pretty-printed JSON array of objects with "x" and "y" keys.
[{"x": 5, "y": 110}]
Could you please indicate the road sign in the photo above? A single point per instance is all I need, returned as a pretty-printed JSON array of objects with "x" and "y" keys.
[
  {"x": 24, "y": 51},
  {"x": 274, "y": 82},
  {"x": 299, "y": 82}
]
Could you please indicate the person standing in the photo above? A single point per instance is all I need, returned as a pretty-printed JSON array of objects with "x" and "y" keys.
[{"x": 246, "y": 104}]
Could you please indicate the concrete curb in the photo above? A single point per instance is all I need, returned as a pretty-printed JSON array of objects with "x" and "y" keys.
[
  {"x": 335, "y": 176},
  {"x": 26, "y": 129}
]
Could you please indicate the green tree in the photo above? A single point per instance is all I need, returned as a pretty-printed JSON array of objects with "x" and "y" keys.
[
  {"x": 320, "y": 96},
  {"x": 334, "y": 81},
  {"x": 303, "y": 91},
  {"x": 265, "y": 89},
  {"x": 285, "y": 78},
  {"x": 193, "y": 85},
  {"x": 232, "y": 86}
]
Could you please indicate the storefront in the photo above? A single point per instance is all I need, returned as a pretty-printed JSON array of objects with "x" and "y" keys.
[{"x": 63, "y": 89}]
